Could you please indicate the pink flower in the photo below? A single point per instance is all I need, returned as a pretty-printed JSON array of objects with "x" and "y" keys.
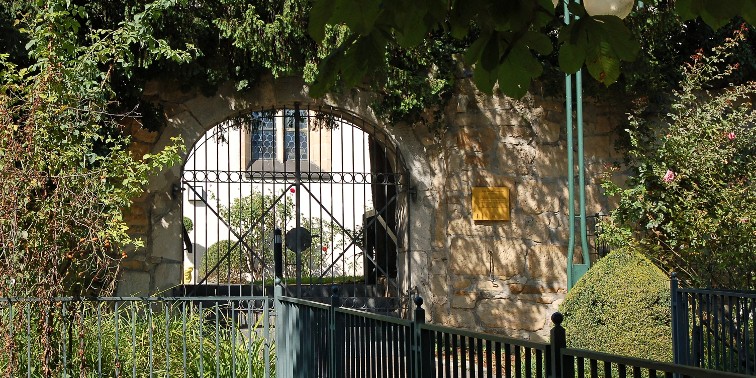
[
  {"x": 669, "y": 176},
  {"x": 730, "y": 135}
]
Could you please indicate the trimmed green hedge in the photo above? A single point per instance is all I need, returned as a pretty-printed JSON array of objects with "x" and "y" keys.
[{"x": 621, "y": 306}]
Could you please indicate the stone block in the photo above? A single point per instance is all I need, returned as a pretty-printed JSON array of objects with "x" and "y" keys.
[
  {"x": 461, "y": 318},
  {"x": 512, "y": 314},
  {"x": 545, "y": 131},
  {"x": 166, "y": 236},
  {"x": 521, "y": 132},
  {"x": 439, "y": 227},
  {"x": 510, "y": 159},
  {"x": 132, "y": 265},
  {"x": 548, "y": 264},
  {"x": 508, "y": 258},
  {"x": 141, "y": 134},
  {"x": 138, "y": 230},
  {"x": 469, "y": 256},
  {"x": 486, "y": 178},
  {"x": 599, "y": 147},
  {"x": 526, "y": 227},
  {"x": 550, "y": 161},
  {"x": 139, "y": 149},
  {"x": 464, "y": 300},
  {"x": 167, "y": 276},
  {"x": 536, "y": 197},
  {"x": 136, "y": 215},
  {"x": 460, "y": 283},
  {"x": 133, "y": 283},
  {"x": 439, "y": 285}
]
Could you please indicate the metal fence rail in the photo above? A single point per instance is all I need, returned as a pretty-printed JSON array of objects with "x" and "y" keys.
[
  {"x": 373, "y": 345},
  {"x": 136, "y": 337},
  {"x": 460, "y": 353},
  {"x": 318, "y": 340},
  {"x": 714, "y": 329},
  {"x": 585, "y": 363}
]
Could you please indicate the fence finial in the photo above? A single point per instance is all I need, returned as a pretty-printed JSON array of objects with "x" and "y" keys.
[
  {"x": 557, "y": 318},
  {"x": 419, "y": 301}
]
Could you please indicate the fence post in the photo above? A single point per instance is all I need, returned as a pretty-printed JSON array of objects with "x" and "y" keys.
[
  {"x": 561, "y": 366},
  {"x": 281, "y": 314},
  {"x": 679, "y": 330},
  {"x": 421, "y": 347},
  {"x": 336, "y": 328}
]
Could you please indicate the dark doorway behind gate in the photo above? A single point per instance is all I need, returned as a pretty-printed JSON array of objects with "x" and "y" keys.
[{"x": 333, "y": 184}]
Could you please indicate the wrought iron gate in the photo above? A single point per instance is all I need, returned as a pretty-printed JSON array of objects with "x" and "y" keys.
[{"x": 333, "y": 184}]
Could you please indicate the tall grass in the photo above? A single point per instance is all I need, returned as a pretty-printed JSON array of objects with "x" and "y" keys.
[{"x": 133, "y": 339}]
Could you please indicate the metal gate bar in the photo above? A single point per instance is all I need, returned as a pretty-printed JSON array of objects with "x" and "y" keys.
[{"x": 297, "y": 169}]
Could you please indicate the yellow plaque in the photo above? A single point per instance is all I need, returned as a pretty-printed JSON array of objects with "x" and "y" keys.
[{"x": 490, "y": 203}]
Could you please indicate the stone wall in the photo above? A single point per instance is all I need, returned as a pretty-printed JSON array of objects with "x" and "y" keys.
[
  {"x": 502, "y": 276},
  {"x": 506, "y": 276}
]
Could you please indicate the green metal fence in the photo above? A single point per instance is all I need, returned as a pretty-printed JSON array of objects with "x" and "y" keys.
[
  {"x": 136, "y": 337},
  {"x": 319, "y": 340},
  {"x": 714, "y": 329}
]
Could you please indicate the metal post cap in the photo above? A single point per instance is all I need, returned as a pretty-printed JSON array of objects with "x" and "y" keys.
[
  {"x": 419, "y": 301},
  {"x": 557, "y": 318}
]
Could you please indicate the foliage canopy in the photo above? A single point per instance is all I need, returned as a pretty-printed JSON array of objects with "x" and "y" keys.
[
  {"x": 691, "y": 196},
  {"x": 508, "y": 39},
  {"x": 65, "y": 171}
]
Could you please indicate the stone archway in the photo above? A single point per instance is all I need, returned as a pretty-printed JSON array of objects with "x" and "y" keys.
[
  {"x": 498, "y": 276},
  {"x": 156, "y": 216}
]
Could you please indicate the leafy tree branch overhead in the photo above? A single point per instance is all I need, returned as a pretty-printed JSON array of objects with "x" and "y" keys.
[{"x": 509, "y": 39}]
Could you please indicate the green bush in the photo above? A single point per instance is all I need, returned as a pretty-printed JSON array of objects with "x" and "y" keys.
[
  {"x": 621, "y": 306},
  {"x": 139, "y": 338}
]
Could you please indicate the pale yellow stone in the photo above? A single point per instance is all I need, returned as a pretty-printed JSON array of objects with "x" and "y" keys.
[
  {"x": 460, "y": 283},
  {"x": 551, "y": 161},
  {"x": 464, "y": 300},
  {"x": 548, "y": 264},
  {"x": 535, "y": 197},
  {"x": 512, "y": 314}
]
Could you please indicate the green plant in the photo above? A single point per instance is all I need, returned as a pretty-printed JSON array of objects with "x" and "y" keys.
[
  {"x": 188, "y": 224},
  {"x": 145, "y": 338},
  {"x": 621, "y": 306},
  {"x": 256, "y": 216},
  {"x": 691, "y": 195}
]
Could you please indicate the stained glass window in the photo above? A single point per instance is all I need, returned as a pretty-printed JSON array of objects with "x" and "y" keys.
[
  {"x": 263, "y": 136},
  {"x": 289, "y": 135}
]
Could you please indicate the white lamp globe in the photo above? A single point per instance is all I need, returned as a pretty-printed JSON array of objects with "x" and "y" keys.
[{"x": 619, "y": 8}]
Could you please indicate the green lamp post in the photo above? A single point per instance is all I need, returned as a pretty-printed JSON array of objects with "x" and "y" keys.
[{"x": 574, "y": 94}]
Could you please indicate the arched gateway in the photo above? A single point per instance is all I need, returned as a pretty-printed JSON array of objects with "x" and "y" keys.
[
  {"x": 499, "y": 275},
  {"x": 334, "y": 183}
]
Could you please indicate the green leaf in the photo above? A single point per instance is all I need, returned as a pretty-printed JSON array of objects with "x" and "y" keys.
[
  {"x": 577, "y": 10},
  {"x": 514, "y": 80},
  {"x": 411, "y": 31},
  {"x": 602, "y": 63},
  {"x": 538, "y": 42},
  {"x": 320, "y": 15},
  {"x": 621, "y": 39},
  {"x": 749, "y": 12},
  {"x": 489, "y": 59},
  {"x": 484, "y": 79},
  {"x": 573, "y": 50},
  {"x": 476, "y": 49},
  {"x": 359, "y": 16}
]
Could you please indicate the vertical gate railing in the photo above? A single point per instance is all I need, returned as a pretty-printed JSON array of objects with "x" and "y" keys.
[
  {"x": 714, "y": 329},
  {"x": 315, "y": 171}
]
